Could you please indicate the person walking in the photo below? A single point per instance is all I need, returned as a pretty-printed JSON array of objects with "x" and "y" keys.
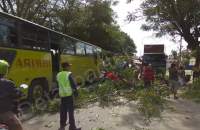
[
  {"x": 148, "y": 75},
  {"x": 67, "y": 88},
  {"x": 181, "y": 75},
  {"x": 8, "y": 96},
  {"x": 173, "y": 79}
]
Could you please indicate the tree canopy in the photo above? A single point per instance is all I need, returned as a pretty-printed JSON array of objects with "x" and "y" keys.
[
  {"x": 89, "y": 20},
  {"x": 173, "y": 17}
]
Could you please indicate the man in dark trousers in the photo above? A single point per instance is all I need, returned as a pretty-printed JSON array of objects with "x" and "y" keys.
[
  {"x": 173, "y": 79},
  {"x": 8, "y": 95},
  {"x": 67, "y": 88},
  {"x": 148, "y": 75}
]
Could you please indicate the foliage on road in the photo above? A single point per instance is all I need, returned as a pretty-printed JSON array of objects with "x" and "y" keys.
[
  {"x": 151, "y": 104},
  {"x": 85, "y": 97},
  {"x": 53, "y": 106},
  {"x": 151, "y": 101}
]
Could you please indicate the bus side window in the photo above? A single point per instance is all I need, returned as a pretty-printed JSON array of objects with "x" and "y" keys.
[
  {"x": 42, "y": 39},
  {"x": 80, "y": 48},
  {"x": 34, "y": 37},
  {"x": 89, "y": 50},
  {"x": 94, "y": 49},
  {"x": 4, "y": 33},
  {"x": 56, "y": 39},
  {"x": 8, "y": 32},
  {"x": 55, "y": 47},
  {"x": 68, "y": 46},
  {"x": 28, "y": 36}
]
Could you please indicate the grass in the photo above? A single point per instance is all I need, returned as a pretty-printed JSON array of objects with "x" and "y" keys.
[
  {"x": 192, "y": 94},
  {"x": 193, "y": 91}
]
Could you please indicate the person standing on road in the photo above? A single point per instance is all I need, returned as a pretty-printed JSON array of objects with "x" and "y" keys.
[
  {"x": 148, "y": 75},
  {"x": 67, "y": 88},
  {"x": 8, "y": 96},
  {"x": 173, "y": 79},
  {"x": 181, "y": 75}
]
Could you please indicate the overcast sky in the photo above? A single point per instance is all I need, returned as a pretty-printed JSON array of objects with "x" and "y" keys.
[{"x": 133, "y": 29}]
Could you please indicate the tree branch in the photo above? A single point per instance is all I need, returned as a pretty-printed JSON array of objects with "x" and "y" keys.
[
  {"x": 27, "y": 5},
  {"x": 1, "y": 6},
  {"x": 11, "y": 7},
  {"x": 35, "y": 11},
  {"x": 20, "y": 7},
  {"x": 4, "y": 6},
  {"x": 49, "y": 12}
]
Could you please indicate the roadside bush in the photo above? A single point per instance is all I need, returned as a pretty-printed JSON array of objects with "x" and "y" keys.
[
  {"x": 193, "y": 91},
  {"x": 196, "y": 84}
]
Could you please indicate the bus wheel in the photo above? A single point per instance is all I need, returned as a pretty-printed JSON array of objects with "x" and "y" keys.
[
  {"x": 37, "y": 90},
  {"x": 91, "y": 76},
  {"x": 25, "y": 108},
  {"x": 80, "y": 81}
]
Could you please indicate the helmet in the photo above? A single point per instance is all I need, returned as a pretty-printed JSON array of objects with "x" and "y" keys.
[{"x": 3, "y": 67}]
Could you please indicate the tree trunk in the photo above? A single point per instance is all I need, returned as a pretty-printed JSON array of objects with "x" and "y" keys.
[{"x": 197, "y": 57}]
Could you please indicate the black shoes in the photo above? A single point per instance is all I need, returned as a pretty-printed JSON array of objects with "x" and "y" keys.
[
  {"x": 74, "y": 128},
  {"x": 63, "y": 128},
  {"x": 175, "y": 97}
]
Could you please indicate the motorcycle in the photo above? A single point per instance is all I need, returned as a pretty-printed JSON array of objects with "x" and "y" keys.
[
  {"x": 4, "y": 126},
  {"x": 108, "y": 75}
]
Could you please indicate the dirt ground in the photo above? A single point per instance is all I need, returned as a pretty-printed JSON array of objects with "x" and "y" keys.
[{"x": 181, "y": 115}]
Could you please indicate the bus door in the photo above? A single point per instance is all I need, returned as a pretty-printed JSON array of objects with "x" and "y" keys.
[{"x": 55, "y": 53}]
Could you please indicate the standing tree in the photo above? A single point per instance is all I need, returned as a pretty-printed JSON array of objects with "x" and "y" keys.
[
  {"x": 93, "y": 21},
  {"x": 173, "y": 17},
  {"x": 34, "y": 10},
  {"x": 89, "y": 20}
]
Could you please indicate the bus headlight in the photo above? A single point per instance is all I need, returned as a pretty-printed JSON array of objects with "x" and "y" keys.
[{"x": 23, "y": 86}]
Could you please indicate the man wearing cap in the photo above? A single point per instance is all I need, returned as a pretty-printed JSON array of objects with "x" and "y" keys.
[
  {"x": 67, "y": 88},
  {"x": 8, "y": 94}
]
